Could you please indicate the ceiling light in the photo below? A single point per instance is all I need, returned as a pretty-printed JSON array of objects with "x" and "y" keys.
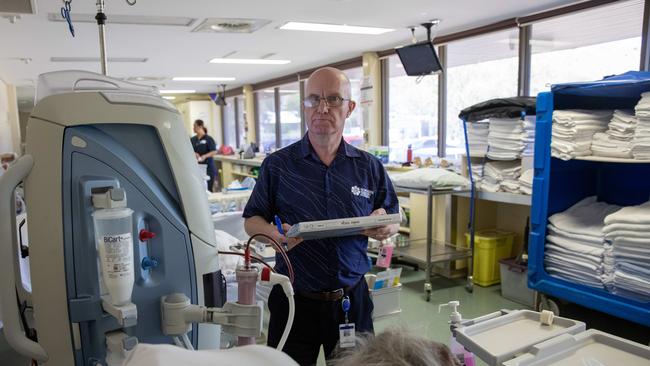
[
  {"x": 169, "y": 98},
  {"x": 177, "y": 91},
  {"x": 200, "y": 78},
  {"x": 334, "y": 28},
  {"x": 126, "y": 19},
  {"x": 248, "y": 61},
  {"x": 96, "y": 59}
]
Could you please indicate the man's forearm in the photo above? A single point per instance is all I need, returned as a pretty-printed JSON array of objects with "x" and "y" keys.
[{"x": 258, "y": 225}]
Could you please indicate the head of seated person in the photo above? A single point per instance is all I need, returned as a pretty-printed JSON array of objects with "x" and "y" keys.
[{"x": 396, "y": 346}]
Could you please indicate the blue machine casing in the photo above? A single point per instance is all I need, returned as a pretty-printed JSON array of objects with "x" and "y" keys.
[
  {"x": 560, "y": 184},
  {"x": 114, "y": 158}
]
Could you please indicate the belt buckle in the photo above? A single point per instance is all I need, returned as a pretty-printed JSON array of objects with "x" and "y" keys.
[{"x": 337, "y": 294}]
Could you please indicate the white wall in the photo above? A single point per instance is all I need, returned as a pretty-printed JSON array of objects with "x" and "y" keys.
[
  {"x": 9, "y": 121},
  {"x": 204, "y": 110}
]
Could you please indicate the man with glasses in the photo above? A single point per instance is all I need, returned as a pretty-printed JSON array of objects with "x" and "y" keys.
[{"x": 318, "y": 178}]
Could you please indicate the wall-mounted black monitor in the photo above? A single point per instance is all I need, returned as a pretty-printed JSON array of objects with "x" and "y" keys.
[{"x": 419, "y": 58}]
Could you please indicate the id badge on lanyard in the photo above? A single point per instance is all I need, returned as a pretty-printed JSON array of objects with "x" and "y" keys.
[{"x": 346, "y": 331}]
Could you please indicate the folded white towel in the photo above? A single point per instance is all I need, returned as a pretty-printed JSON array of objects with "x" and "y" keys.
[
  {"x": 592, "y": 240},
  {"x": 586, "y": 217},
  {"x": 558, "y": 243},
  {"x": 631, "y": 215}
]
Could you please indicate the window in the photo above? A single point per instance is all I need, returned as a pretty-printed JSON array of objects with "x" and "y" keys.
[
  {"x": 229, "y": 123},
  {"x": 353, "y": 131},
  {"x": 587, "y": 45},
  {"x": 479, "y": 69},
  {"x": 290, "y": 113},
  {"x": 266, "y": 118},
  {"x": 412, "y": 113},
  {"x": 241, "y": 119}
]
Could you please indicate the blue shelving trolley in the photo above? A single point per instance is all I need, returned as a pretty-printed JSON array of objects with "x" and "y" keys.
[{"x": 560, "y": 184}]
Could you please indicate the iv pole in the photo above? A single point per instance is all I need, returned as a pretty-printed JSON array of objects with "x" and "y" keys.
[{"x": 101, "y": 23}]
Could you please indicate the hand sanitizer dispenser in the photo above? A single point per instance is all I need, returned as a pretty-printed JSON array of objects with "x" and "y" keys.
[{"x": 464, "y": 356}]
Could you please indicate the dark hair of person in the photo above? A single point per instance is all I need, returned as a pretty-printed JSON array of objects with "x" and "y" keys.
[{"x": 200, "y": 123}]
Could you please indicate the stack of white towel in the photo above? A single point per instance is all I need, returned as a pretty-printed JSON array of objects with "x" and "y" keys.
[
  {"x": 505, "y": 138},
  {"x": 627, "y": 260},
  {"x": 477, "y": 175},
  {"x": 641, "y": 141},
  {"x": 477, "y": 136},
  {"x": 501, "y": 176},
  {"x": 573, "y": 130},
  {"x": 574, "y": 243},
  {"x": 616, "y": 142},
  {"x": 526, "y": 182},
  {"x": 528, "y": 136}
]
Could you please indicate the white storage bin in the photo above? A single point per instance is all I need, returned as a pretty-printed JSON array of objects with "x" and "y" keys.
[{"x": 386, "y": 301}]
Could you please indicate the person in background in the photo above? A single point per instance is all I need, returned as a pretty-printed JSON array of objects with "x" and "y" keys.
[
  {"x": 204, "y": 149},
  {"x": 396, "y": 346}
]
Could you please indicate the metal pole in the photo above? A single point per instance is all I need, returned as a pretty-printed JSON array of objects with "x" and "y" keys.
[
  {"x": 429, "y": 243},
  {"x": 645, "y": 38},
  {"x": 525, "y": 33},
  {"x": 101, "y": 22}
]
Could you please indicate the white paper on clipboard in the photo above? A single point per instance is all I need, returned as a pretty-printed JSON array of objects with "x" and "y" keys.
[{"x": 340, "y": 227}]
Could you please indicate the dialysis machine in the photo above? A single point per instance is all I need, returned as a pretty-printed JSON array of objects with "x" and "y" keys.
[{"x": 121, "y": 245}]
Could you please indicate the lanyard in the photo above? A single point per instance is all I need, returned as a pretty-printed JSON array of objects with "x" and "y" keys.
[{"x": 345, "y": 304}]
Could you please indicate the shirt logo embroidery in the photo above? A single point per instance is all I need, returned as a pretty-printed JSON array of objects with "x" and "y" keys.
[{"x": 358, "y": 191}]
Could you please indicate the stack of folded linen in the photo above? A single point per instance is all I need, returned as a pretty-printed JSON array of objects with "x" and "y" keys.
[
  {"x": 505, "y": 138},
  {"x": 627, "y": 234},
  {"x": 528, "y": 136},
  {"x": 575, "y": 243},
  {"x": 501, "y": 175},
  {"x": 573, "y": 130},
  {"x": 477, "y": 136},
  {"x": 477, "y": 175},
  {"x": 617, "y": 141},
  {"x": 641, "y": 141},
  {"x": 526, "y": 182}
]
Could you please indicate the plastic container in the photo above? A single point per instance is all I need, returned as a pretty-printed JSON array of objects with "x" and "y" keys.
[
  {"x": 500, "y": 338},
  {"x": 489, "y": 247},
  {"x": 386, "y": 301},
  {"x": 514, "y": 282},
  {"x": 246, "y": 290},
  {"x": 114, "y": 241},
  {"x": 560, "y": 184},
  {"x": 592, "y": 347}
]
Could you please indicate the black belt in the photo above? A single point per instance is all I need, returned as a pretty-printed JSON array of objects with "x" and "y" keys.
[{"x": 334, "y": 295}]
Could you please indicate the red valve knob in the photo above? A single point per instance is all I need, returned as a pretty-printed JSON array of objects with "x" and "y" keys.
[
  {"x": 266, "y": 274},
  {"x": 146, "y": 235}
]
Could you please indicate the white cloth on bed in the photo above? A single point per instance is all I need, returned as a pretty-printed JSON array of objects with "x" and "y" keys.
[{"x": 424, "y": 177}]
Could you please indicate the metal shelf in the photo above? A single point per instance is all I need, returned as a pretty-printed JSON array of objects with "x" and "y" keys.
[
  {"x": 513, "y": 198},
  {"x": 416, "y": 250},
  {"x": 244, "y": 174},
  {"x": 611, "y": 160}
]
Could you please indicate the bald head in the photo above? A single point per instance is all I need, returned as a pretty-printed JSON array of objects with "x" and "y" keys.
[
  {"x": 325, "y": 120},
  {"x": 329, "y": 79}
]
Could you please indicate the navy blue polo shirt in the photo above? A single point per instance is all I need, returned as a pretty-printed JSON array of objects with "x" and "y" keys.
[{"x": 295, "y": 185}]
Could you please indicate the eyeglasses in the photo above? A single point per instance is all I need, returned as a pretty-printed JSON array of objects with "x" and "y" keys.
[{"x": 331, "y": 101}]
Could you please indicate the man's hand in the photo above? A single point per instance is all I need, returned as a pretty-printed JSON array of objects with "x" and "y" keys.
[
  {"x": 382, "y": 232},
  {"x": 291, "y": 242}
]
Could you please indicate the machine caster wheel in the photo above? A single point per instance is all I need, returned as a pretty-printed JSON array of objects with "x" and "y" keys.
[
  {"x": 428, "y": 289},
  {"x": 546, "y": 303},
  {"x": 469, "y": 287}
]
